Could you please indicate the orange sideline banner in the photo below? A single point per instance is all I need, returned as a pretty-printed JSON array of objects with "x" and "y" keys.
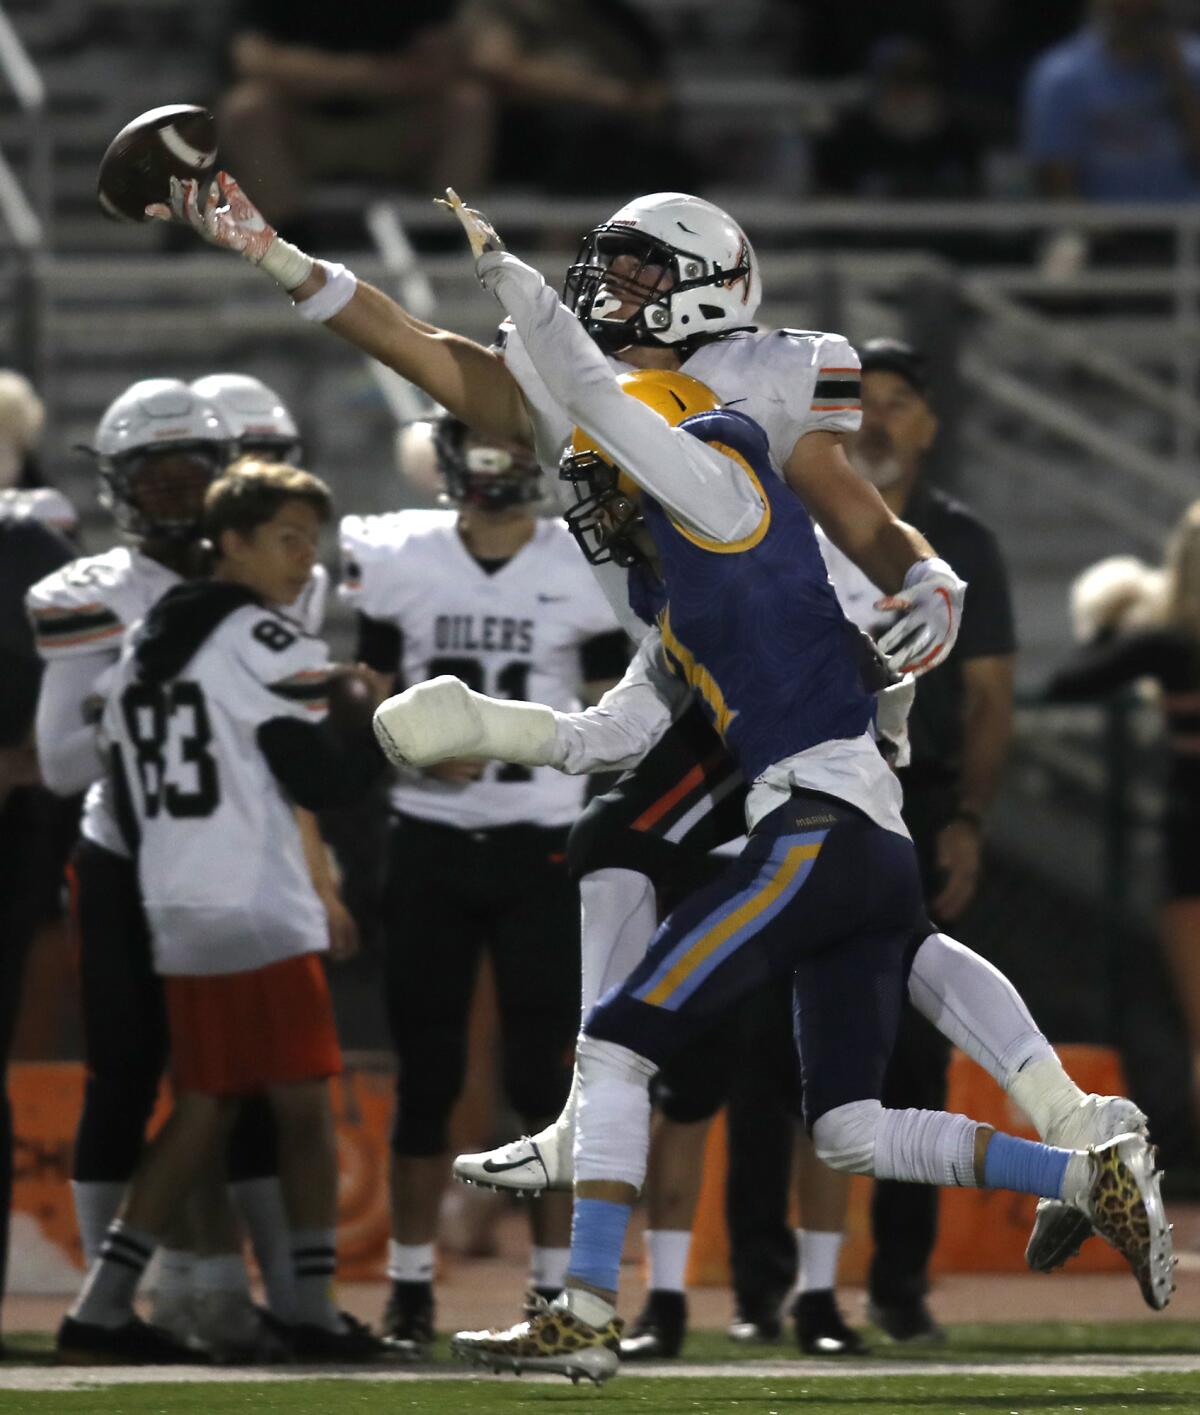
[{"x": 980, "y": 1231}]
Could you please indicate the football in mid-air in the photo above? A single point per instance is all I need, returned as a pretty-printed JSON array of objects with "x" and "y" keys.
[{"x": 179, "y": 140}]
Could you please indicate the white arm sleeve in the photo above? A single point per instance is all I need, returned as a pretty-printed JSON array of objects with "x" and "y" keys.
[
  {"x": 701, "y": 487},
  {"x": 627, "y": 721},
  {"x": 67, "y": 744}
]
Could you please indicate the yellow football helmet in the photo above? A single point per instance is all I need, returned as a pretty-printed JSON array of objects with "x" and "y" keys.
[{"x": 608, "y": 503}]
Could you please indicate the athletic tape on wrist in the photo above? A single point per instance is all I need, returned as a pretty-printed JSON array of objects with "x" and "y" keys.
[
  {"x": 286, "y": 263},
  {"x": 333, "y": 297}
]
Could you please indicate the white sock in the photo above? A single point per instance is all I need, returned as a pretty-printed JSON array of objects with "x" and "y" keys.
[
  {"x": 410, "y": 1262},
  {"x": 618, "y": 919},
  {"x": 260, "y": 1202},
  {"x": 96, "y": 1205},
  {"x": 1044, "y": 1092},
  {"x": 979, "y": 1010},
  {"x": 818, "y": 1254},
  {"x": 548, "y": 1266},
  {"x": 220, "y": 1272},
  {"x": 666, "y": 1258},
  {"x": 589, "y": 1307},
  {"x": 314, "y": 1259},
  {"x": 106, "y": 1299},
  {"x": 172, "y": 1272}
]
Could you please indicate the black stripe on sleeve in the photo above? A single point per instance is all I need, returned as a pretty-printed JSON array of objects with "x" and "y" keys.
[
  {"x": 380, "y": 644},
  {"x": 61, "y": 626},
  {"x": 303, "y": 690},
  {"x": 838, "y": 386}
]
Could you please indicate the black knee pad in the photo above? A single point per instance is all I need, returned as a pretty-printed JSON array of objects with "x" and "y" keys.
[{"x": 428, "y": 1083}]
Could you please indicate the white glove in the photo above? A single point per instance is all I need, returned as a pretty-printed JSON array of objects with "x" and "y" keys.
[
  {"x": 443, "y": 718},
  {"x": 229, "y": 219},
  {"x": 480, "y": 231},
  {"x": 891, "y": 720},
  {"x": 931, "y": 610}
]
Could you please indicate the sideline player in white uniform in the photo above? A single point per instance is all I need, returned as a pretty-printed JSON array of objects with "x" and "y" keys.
[
  {"x": 158, "y": 446},
  {"x": 728, "y": 543},
  {"x": 211, "y": 725},
  {"x": 490, "y": 592}
]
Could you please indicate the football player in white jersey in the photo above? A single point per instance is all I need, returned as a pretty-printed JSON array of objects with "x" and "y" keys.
[
  {"x": 669, "y": 281},
  {"x": 158, "y": 446},
  {"x": 491, "y": 592},
  {"x": 212, "y": 724}
]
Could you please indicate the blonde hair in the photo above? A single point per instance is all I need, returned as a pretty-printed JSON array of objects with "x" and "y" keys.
[{"x": 1182, "y": 588}]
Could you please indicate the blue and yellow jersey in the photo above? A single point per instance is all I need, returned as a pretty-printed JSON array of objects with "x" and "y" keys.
[{"x": 755, "y": 626}]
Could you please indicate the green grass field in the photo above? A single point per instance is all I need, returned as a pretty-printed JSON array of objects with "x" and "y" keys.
[{"x": 1036, "y": 1370}]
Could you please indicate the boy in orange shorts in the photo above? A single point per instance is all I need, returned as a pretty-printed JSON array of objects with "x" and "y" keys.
[{"x": 214, "y": 741}]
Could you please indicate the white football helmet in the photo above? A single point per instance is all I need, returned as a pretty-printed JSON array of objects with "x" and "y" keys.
[
  {"x": 157, "y": 447},
  {"x": 692, "y": 274},
  {"x": 256, "y": 415}
]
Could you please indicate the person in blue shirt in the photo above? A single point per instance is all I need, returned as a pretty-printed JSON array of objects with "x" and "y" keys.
[{"x": 1113, "y": 113}]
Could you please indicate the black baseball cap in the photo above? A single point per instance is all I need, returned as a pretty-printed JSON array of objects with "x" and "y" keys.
[{"x": 895, "y": 356}]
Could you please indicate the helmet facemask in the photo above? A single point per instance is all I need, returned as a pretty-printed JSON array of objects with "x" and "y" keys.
[
  {"x": 607, "y": 515},
  {"x": 656, "y": 275},
  {"x": 476, "y": 473},
  {"x": 157, "y": 493}
]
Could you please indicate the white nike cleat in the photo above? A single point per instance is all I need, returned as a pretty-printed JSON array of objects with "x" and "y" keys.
[
  {"x": 1123, "y": 1202},
  {"x": 531, "y": 1165},
  {"x": 1060, "y": 1230}
]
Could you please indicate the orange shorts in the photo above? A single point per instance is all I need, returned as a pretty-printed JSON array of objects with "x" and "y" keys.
[{"x": 232, "y": 1034}]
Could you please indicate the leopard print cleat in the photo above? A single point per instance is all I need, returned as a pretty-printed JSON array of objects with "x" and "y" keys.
[
  {"x": 551, "y": 1339},
  {"x": 1126, "y": 1209}
]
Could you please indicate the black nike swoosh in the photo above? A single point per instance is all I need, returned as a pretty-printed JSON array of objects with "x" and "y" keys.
[
  {"x": 491, "y": 1167},
  {"x": 551, "y": 598}
]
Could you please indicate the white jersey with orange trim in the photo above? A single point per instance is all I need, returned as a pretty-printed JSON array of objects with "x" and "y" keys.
[
  {"x": 80, "y": 615},
  {"x": 516, "y": 633},
  {"x": 789, "y": 381},
  {"x": 220, "y": 860}
]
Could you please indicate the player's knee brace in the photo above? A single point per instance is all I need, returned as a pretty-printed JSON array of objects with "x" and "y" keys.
[
  {"x": 845, "y": 1137},
  {"x": 612, "y": 1134}
]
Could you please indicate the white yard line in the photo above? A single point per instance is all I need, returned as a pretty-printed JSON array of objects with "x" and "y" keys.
[{"x": 46, "y": 1378}]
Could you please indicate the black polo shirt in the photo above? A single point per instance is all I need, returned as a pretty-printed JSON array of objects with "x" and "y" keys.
[
  {"x": 28, "y": 551},
  {"x": 935, "y": 726}
]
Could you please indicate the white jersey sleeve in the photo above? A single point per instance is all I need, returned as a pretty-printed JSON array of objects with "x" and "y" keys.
[
  {"x": 287, "y": 672},
  {"x": 376, "y": 579},
  {"x": 627, "y": 721},
  {"x": 82, "y": 608}
]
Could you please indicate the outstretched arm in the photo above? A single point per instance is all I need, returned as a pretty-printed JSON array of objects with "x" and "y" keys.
[{"x": 464, "y": 377}]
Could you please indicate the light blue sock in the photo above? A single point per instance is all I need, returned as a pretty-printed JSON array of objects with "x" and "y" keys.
[
  {"x": 1025, "y": 1166},
  {"x": 597, "y": 1240}
]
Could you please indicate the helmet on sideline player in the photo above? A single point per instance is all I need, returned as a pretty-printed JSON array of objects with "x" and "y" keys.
[
  {"x": 440, "y": 454},
  {"x": 158, "y": 447},
  {"x": 608, "y": 513},
  {"x": 688, "y": 268},
  {"x": 258, "y": 419}
]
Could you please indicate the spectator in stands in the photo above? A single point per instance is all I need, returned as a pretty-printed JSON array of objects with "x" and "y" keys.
[
  {"x": 28, "y": 550},
  {"x": 574, "y": 80},
  {"x": 1113, "y": 113},
  {"x": 355, "y": 89},
  {"x": 906, "y": 138},
  {"x": 1141, "y": 624}
]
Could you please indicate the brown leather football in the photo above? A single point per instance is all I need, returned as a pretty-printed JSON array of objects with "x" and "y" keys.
[{"x": 179, "y": 140}]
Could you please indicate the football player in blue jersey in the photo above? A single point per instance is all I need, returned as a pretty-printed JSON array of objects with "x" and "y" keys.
[{"x": 827, "y": 887}]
